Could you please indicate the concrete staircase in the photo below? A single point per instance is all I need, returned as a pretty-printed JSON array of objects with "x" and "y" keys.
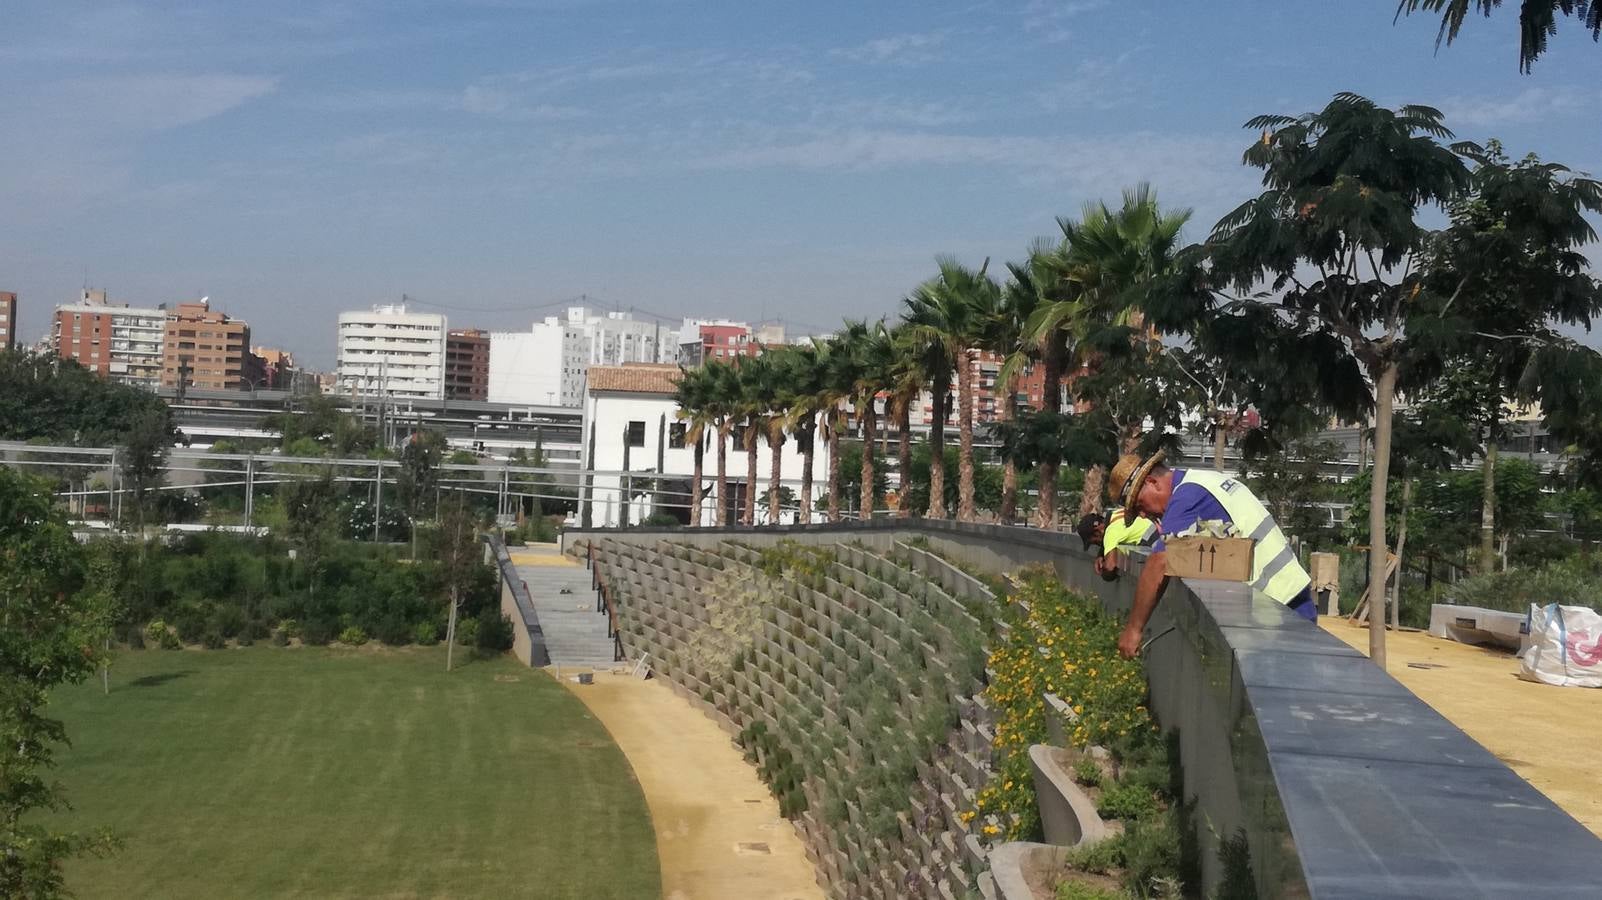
[{"x": 575, "y": 634}]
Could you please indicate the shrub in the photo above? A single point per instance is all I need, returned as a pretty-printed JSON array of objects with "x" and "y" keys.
[
  {"x": 393, "y": 630},
  {"x": 425, "y": 633},
  {"x": 466, "y": 632},
  {"x": 1076, "y": 890},
  {"x": 353, "y": 636},
  {"x": 155, "y": 631},
  {"x": 494, "y": 631},
  {"x": 1087, "y": 773},
  {"x": 212, "y": 639},
  {"x": 317, "y": 632},
  {"x": 280, "y": 637},
  {"x": 1126, "y": 801},
  {"x": 1571, "y": 583},
  {"x": 290, "y": 628},
  {"x": 169, "y": 641},
  {"x": 245, "y": 639}
]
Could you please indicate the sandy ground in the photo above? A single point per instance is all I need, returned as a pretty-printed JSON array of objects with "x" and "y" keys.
[
  {"x": 707, "y": 804},
  {"x": 1546, "y": 734},
  {"x": 540, "y": 555}
]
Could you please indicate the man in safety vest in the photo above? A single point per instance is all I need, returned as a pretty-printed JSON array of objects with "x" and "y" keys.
[
  {"x": 1178, "y": 498},
  {"x": 1108, "y": 536}
]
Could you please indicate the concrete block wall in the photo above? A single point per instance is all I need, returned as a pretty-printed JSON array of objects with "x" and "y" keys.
[{"x": 802, "y": 648}]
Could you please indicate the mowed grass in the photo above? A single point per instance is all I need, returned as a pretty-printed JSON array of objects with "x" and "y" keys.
[{"x": 328, "y": 772}]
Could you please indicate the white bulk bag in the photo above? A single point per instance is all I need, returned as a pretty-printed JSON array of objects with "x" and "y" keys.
[{"x": 1565, "y": 646}]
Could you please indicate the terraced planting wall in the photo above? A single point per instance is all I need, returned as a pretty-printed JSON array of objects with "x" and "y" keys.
[{"x": 850, "y": 676}]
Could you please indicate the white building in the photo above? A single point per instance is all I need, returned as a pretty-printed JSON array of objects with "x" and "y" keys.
[
  {"x": 390, "y": 351},
  {"x": 546, "y": 365},
  {"x": 631, "y": 425}
]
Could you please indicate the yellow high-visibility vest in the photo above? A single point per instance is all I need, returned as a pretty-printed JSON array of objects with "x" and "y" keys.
[
  {"x": 1275, "y": 568},
  {"x": 1118, "y": 534}
]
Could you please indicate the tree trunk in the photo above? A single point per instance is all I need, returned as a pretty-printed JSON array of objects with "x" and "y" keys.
[
  {"x": 695, "y": 486},
  {"x": 1401, "y": 545},
  {"x": 904, "y": 454},
  {"x": 1220, "y": 438},
  {"x": 1488, "y": 510},
  {"x": 1046, "y": 510},
  {"x": 1384, "y": 395},
  {"x": 450, "y": 633},
  {"x": 775, "y": 448},
  {"x": 721, "y": 512},
  {"x": 1051, "y": 402},
  {"x": 831, "y": 422},
  {"x": 1095, "y": 486},
  {"x": 809, "y": 436},
  {"x": 965, "y": 504},
  {"x": 937, "y": 449},
  {"x": 1009, "y": 471},
  {"x": 749, "y": 516},
  {"x": 869, "y": 418}
]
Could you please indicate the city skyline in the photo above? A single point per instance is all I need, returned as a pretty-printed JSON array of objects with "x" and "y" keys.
[{"x": 499, "y": 159}]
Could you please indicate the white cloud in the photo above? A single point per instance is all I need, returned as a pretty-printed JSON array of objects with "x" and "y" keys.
[
  {"x": 510, "y": 105},
  {"x": 1536, "y": 104},
  {"x": 1048, "y": 19},
  {"x": 901, "y": 49}
]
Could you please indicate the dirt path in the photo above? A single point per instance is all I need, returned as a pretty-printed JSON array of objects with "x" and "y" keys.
[
  {"x": 1546, "y": 734},
  {"x": 707, "y": 806}
]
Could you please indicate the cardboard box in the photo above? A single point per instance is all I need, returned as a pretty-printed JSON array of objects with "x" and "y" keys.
[{"x": 1212, "y": 559}]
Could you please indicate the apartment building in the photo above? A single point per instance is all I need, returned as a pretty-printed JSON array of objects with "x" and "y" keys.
[
  {"x": 547, "y": 365},
  {"x": 278, "y": 366},
  {"x": 388, "y": 351},
  {"x": 8, "y": 320},
  {"x": 208, "y": 350},
  {"x": 467, "y": 356},
  {"x": 122, "y": 343}
]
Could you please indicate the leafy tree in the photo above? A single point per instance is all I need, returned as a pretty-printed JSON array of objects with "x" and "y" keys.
[
  {"x": 143, "y": 458},
  {"x": 460, "y": 558},
  {"x": 45, "y": 397},
  {"x": 311, "y": 512},
  {"x": 1537, "y": 20},
  {"x": 1291, "y": 483},
  {"x": 418, "y": 478},
  {"x": 322, "y": 422},
  {"x": 54, "y": 627}
]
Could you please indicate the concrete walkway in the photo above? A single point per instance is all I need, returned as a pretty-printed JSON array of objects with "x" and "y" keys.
[
  {"x": 1546, "y": 734},
  {"x": 575, "y": 634},
  {"x": 718, "y": 831}
]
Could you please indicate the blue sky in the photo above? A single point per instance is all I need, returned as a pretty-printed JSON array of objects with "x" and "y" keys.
[{"x": 757, "y": 160}]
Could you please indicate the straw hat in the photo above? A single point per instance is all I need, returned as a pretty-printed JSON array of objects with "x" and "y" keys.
[{"x": 1123, "y": 484}]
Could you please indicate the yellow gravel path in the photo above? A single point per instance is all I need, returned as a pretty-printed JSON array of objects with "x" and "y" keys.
[
  {"x": 707, "y": 805},
  {"x": 540, "y": 555},
  {"x": 1546, "y": 734}
]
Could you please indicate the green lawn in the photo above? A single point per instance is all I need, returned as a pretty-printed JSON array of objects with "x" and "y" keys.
[{"x": 322, "y": 772}]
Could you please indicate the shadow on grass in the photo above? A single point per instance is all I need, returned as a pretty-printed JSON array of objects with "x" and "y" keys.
[{"x": 161, "y": 679}]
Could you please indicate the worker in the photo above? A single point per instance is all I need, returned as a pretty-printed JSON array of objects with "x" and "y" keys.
[
  {"x": 1179, "y": 498},
  {"x": 1109, "y": 535}
]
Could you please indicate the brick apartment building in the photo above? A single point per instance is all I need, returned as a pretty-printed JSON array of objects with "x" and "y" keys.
[
  {"x": 467, "y": 356},
  {"x": 8, "y": 320},
  {"x": 278, "y": 367},
  {"x": 120, "y": 343},
  {"x": 215, "y": 348}
]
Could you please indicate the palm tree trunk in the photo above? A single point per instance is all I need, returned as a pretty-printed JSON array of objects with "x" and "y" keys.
[
  {"x": 1009, "y": 472},
  {"x": 904, "y": 454},
  {"x": 721, "y": 513},
  {"x": 937, "y": 451},
  {"x": 809, "y": 435},
  {"x": 1384, "y": 396},
  {"x": 695, "y": 486},
  {"x": 1051, "y": 402},
  {"x": 831, "y": 422},
  {"x": 775, "y": 447},
  {"x": 965, "y": 505},
  {"x": 869, "y": 418},
  {"x": 1488, "y": 509},
  {"x": 749, "y": 516}
]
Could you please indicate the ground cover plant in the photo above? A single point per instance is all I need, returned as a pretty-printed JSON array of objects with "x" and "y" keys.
[{"x": 347, "y": 772}]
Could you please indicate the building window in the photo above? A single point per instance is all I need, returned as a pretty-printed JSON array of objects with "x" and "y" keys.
[
  {"x": 676, "y": 436},
  {"x": 636, "y": 434}
]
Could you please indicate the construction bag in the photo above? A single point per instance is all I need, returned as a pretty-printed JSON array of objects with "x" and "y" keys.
[{"x": 1565, "y": 646}]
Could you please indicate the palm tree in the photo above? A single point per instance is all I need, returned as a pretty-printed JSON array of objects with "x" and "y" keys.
[
  {"x": 805, "y": 397},
  {"x": 955, "y": 310},
  {"x": 869, "y": 357},
  {"x": 773, "y": 379},
  {"x": 909, "y": 374},
  {"x": 837, "y": 374},
  {"x": 694, "y": 398},
  {"x": 752, "y": 403},
  {"x": 722, "y": 396},
  {"x": 1037, "y": 288},
  {"x": 1537, "y": 20}
]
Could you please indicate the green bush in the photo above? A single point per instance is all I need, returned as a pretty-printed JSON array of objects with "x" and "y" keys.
[
  {"x": 494, "y": 631},
  {"x": 290, "y": 628},
  {"x": 280, "y": 637},
  {"x": 212, "y": 639},
  {"x": 425, "y": 634},
  {"x": 394, "y": 631},
  {"x": 155, "y": 631},
  {"x": 466, "y": 632},
  {"x": 318, "y": 632},
  {"x": 353, "y": 636},
  {"x": 169, "y": 641},
  {"x": 1087, "y": 773},
  {"x": 1075, "y": 890},
  {"x": 1571, "y": 582}
]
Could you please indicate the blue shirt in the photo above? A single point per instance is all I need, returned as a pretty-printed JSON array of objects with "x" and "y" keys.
[{"x": 1187, "y": 505}]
